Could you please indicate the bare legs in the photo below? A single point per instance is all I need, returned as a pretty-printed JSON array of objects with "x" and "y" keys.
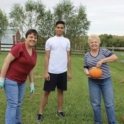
[
  {"x": 60, "y": 99},
  {"x": 45, "y": 99}
]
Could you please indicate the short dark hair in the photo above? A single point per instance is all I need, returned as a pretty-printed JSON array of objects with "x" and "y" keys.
[
  {"x": 60, "y": 22},
  {"x": 31, "y": 31}
]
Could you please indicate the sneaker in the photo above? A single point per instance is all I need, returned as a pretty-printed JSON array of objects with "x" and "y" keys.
[
  {"x": 39, "y": 118},
  {"x": 60, "y": 114}
]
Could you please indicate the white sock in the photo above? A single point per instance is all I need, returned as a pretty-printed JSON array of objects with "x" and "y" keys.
[
  {"x": 59, "y": 111},
  {"x": 40, "y": 113}
]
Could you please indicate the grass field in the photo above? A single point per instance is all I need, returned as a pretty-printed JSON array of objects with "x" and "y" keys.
[{"x": 76, "y": 106}]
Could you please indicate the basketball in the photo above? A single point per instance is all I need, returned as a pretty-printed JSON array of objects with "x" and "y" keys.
[{"x": 95, "y": 72}]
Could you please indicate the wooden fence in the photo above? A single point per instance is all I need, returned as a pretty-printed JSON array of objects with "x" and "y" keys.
[
  {"x": 41, "y": 49},
  {"x": 5, "y": 47},
  {"x": 115, "y": 48}
]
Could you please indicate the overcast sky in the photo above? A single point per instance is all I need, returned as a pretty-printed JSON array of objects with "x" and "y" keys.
[{"x": 106, "y": 16}]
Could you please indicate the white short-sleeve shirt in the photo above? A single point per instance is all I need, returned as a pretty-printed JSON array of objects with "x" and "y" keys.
[{"x": 58, "y": 47}]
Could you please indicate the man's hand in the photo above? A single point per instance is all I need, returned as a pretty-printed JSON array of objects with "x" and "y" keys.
[
  {"x": 47, "y": 77},
  {"x": 69, "y": 76}
]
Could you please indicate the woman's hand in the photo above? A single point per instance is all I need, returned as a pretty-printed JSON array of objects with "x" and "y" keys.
[
  {"x": 86, "y": 72},
  {"x": 99, "y": 63}
]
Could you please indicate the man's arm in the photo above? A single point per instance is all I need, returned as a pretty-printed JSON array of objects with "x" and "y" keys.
[
  {"x": 69, "y": 65},
  {"x": 46, "y": 63}
]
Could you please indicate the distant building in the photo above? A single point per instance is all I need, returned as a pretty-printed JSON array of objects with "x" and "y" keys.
[{"x": 10, "y": 37}]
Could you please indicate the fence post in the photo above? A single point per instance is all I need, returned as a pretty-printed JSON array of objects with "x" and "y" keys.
[
  {"x": 0, "y": 45},
  {"x": 75, "y": 46},
  {"x": 112, "y": 48}
]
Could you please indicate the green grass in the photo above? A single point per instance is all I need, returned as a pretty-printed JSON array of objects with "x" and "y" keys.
[
  {"x": 120, "y": 55},
  {"x": 76, "y": 106}
]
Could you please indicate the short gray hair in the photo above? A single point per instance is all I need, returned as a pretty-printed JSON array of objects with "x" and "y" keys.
[{"x": 94, "y": 36}]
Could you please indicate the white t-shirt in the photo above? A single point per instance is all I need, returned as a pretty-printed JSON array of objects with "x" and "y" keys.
[{"x": 58, "y": 47}]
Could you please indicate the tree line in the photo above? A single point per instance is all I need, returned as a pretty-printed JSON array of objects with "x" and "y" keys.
[
  {"x": 35, "y": 15},
  {"x": 108, "y": 40}
]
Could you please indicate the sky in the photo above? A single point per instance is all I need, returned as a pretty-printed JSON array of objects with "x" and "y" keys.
[{"x": 106, "y": 16}]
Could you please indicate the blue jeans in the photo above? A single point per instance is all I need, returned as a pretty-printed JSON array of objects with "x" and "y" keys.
[
  {"x": 14, "y": 95},
  {"x": 104, "y": 87}
]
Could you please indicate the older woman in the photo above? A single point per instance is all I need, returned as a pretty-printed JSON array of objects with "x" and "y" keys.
[
  {"x": 18, "y": 64},
  {"x": 99, "y": 57}
]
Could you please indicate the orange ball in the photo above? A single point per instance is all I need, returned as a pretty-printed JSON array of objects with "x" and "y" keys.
[{"x": 95, "y": 72}]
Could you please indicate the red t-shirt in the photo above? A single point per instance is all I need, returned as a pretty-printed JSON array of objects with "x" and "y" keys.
[{"x": 22, "y": 64}]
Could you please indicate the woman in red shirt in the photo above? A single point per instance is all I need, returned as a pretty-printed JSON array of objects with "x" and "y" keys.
[{"x": 18, "y": 64}]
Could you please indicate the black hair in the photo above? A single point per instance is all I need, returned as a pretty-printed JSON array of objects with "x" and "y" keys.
[
  {"x": 60, "y": 22},
  {"x": 31, "y": 31}
]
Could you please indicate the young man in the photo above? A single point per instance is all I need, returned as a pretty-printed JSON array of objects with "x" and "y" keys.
[{"x": 57, "y": 60}]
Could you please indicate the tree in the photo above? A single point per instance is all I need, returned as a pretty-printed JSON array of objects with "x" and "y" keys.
[
  {"x": 46, "y": 25},
  {"x": 34, "y": 15},
  {"x": 3, "y": 24},
  {"x": 105, "y": 39},
  {"x": 17, "y": 18},
  {"x": 29, "y": 16},
  {"x": 75, "y": 18}
]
